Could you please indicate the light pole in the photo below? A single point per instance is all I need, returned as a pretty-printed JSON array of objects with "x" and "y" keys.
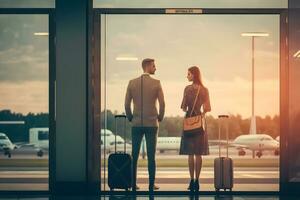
[{"x": 253, "y": 35}]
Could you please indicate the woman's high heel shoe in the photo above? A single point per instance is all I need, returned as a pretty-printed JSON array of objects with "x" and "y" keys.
[
  {"x": 196, "y": 185},
  {"x": 191, "y": 185}
]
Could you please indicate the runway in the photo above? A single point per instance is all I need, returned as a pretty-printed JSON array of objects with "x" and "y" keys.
[
  {"x": 31, "y": 153},
  {"x": 245, "y": 179},
  {"x": 24, "y": 170},
  {"x": 166, "y": 178}
]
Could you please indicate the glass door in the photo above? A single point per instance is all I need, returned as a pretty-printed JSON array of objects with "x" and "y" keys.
[{"x": 239, "y": 59}]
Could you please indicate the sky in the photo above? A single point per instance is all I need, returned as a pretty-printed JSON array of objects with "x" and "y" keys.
[
  {"x": 24, "y": 63},
  {"x": 212, "y": 42}
]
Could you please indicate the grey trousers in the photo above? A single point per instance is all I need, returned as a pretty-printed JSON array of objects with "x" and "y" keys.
[{"x": 151, "y": 140}]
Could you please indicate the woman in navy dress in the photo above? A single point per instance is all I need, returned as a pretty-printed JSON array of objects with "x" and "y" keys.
[{"x": 197, "y": 145}]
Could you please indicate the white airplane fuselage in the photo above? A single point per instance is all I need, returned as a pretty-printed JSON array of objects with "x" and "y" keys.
[
  {"x": 168, "y": 144},
  {"x": 5, "y": 143},
  {"x": 257, "y": 142}
]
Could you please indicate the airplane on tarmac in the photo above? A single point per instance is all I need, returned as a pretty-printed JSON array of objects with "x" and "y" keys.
[
  {"x": 163, "y": 143},
  {"x": 38, "y": 140},
  {"x": 256, "y": 143},
  {"x": 168, "y": 144},
  {"x": 108, "y": 140},
  {"x": 6, "y": 145}
]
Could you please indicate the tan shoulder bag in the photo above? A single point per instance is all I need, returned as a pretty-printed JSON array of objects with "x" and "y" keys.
[{"x": 193, "y": 125}]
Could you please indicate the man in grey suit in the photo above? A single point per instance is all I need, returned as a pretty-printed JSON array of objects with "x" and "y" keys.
[{"x": 144, "y": 91}]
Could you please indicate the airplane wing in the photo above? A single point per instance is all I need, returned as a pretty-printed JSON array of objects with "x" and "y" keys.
[
  {"x": 27, "y": 145},
  {"x": 219, "y": 142},
  {"x": 240, "y": 146},
  {"x": 223, "y": 143},
  {"x": 19, "y": 144},
  {"x": 35, "y": 146}
]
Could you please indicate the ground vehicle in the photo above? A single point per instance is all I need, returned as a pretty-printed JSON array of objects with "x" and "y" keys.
[{"x": 39, "y": 137}]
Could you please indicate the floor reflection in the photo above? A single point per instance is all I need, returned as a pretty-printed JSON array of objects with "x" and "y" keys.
[{"x": 154, "y": 197}]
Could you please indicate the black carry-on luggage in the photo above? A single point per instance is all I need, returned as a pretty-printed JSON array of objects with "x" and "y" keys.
[
  {"x": 120, "y": 164},
  {"x": 223, "y": 166}
]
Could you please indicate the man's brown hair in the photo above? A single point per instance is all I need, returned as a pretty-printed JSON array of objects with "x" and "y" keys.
[{"x": 146, "y": 62}]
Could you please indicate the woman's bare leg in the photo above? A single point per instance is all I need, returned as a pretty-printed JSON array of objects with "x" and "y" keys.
[
  {"x": 191, "y": 166},
  {"x": 198, "y": 166}
]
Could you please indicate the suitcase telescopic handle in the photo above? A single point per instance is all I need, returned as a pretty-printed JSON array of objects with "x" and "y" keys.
[
  {"x": 120, "y": 116},
  {"x": 227, "y": 130}
]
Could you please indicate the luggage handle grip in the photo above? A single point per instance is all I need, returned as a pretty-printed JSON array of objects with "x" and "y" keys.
[
  {"x": 120, "y": 116},
  {"x": 223, "y": 116}
]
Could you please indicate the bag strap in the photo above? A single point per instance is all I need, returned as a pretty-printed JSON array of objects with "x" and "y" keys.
[
  {"x": 203, "y": 117},
  {"x": 195, "y": 101}
]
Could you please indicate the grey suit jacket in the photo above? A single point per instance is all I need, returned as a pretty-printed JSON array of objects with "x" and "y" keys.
[{"x": 144, "y": 91}]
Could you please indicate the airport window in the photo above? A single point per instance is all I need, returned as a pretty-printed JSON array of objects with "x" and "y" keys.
[
  {"x": 219, "y": 46},
  {"x": 24, "y": 105}
]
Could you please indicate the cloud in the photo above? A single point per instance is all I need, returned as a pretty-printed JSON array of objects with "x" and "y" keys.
[
  {"x": 23, "y": 56},
  {"x": 177, "y": 42},
  {"x": 24, "y": 98},
  {"x": 24, "y": 63}
]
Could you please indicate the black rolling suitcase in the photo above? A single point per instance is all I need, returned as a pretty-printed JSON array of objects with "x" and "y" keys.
[
  {"x": 223, "y": 166},
  {"x": 120, "y": 164}
]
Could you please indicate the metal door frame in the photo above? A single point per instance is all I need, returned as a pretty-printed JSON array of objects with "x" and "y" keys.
[
  {"x": 284, "y": 69},
  {"x": 52, "y": 77}
]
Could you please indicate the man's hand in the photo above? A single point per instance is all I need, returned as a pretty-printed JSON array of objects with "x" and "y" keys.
[
  {"x": 129, "y": 118},
  {"x": 159, "y": 118}
]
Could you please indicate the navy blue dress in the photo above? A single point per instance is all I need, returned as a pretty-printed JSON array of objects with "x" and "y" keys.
[{"x": 198, "y": 144}]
